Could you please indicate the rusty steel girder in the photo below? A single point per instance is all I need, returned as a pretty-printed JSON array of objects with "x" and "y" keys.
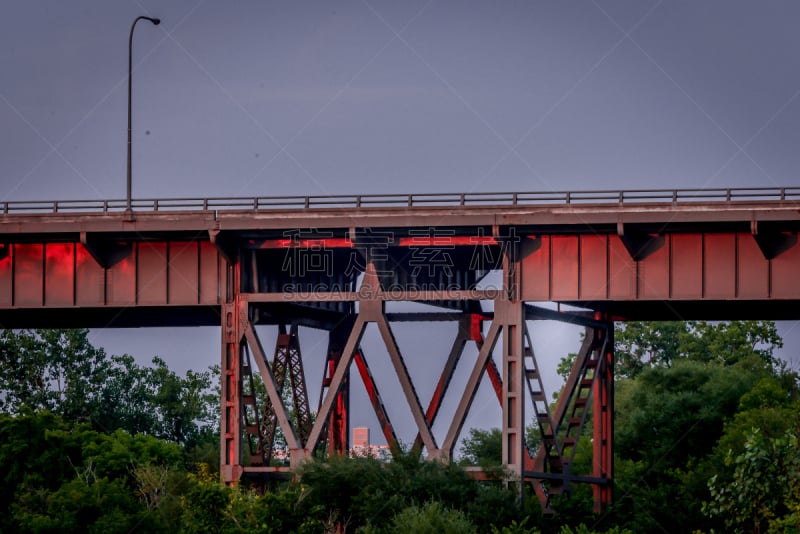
[{"x": 548, "y": 469}]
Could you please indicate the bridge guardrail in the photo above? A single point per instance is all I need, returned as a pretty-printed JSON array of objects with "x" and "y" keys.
[{"x": 547, "y": 198}]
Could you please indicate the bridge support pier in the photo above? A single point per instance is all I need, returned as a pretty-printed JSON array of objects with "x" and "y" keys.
[
  {"x": 603, "y": 438},
  {"x": 230, "y": 370},
  {"x": 517, "y": 382}
]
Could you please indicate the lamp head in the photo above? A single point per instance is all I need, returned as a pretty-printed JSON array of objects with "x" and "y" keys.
[{"x": 155, "y": 22}]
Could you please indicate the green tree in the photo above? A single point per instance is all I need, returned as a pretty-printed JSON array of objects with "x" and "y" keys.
[
  {"x": 759, "y": 432},
  {"x": 648, "y": 344},
  {"x": 184, "y": 407},
  {"x": 767, "y": 407},
  {"x": 59, "y": 477},
  {"x": 431, "y": 518},
  {"x": 668, "y": 415},
  {"x": 157, "y": 401},
  {"x": 764, "y": 491},
  {"x": 210, "y": 506},
  {"x": 482, "y": 447},
  {"x": 30, "y": 454},
  {"x": 668, "y": 421},
  {"x": 126, "y": 399},
  {"x": 78, "y": 505},
  {"x": 688, "y": 390},
  {"x": 356, "y": 492},
  {"x": 61, "y": 372},
  {"x": 732, "y": 342},
  {"x": 54, "y": 370},
  {"x": 639, "y": 345}
]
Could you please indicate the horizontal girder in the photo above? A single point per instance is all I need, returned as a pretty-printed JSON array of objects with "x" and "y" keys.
[{"x": 634, "y": 260}]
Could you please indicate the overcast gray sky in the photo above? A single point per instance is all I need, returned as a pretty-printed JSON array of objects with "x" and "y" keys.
[{"x": 276, "y": 98}]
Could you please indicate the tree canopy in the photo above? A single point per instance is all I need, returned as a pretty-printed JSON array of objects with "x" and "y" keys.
[{"x": 59, "y": 371}]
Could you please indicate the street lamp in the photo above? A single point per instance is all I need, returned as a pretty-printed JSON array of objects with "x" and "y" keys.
[{"x": 155, "y": 22}]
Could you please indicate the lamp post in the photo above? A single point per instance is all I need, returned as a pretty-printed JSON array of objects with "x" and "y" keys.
[{"x": 155, "y": 22}]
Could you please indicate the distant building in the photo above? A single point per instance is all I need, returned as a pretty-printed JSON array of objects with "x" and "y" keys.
[
  {"x": 363, "y": 449},
  {"x": 361, "y": 437}
]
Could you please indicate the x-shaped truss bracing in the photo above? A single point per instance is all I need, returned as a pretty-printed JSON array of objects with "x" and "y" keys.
[{"x": 517, "y": 383}]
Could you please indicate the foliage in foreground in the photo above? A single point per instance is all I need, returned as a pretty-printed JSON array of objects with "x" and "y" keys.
[
  {"x": 81, "y": 480},
  {"x": 63, "y": 478},
  {"x": 360, "y": 492}
]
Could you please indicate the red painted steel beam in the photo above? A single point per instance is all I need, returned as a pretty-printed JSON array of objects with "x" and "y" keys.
[
  {"x": 708, "y": 272},
  {"x": 377, "y": 403},
  {"x": 603, "y": 428},
  {"x": 711, "y": 267},
  {"x": 336, "y": 382},
  {"x": 136, "y": 273},
  {"x": 334, "y": 436}
]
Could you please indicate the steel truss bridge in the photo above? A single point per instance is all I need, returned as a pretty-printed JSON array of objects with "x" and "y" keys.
[{"x": 334, "y": 263}]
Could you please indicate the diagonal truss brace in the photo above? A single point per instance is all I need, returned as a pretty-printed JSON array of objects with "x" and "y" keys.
[
  {"x": 467, "y": 330},
  {"x": 464, "y": 405},
  {"x": 334, "y": 437},
  {"x": 371, "y": 310},
  {"x": 249, "y": 409},
  {"x": 337, "y": 381},
  {"x": 591, "y": 377},
  {"x": 274, "y": 394},
  {"x": 377, "y": 403},
  {"x": 286, "y": 361}
]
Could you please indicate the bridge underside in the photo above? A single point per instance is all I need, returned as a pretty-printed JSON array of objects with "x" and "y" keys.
[
  {"x": 483, "y": 270},
  {"x": 174, "y": 316}
]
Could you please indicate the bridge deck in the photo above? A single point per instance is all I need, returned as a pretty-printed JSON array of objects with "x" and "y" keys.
[{"x": 657, "y": 254}]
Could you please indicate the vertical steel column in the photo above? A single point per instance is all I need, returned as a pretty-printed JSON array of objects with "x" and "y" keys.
[
  {"x": 230, "y": 365},
  {"x": 339, "y": 422},
  {"x": 511, "y": 315},
  {"x": 509, "y": 311},
  {"x": 603, "y": 453}
]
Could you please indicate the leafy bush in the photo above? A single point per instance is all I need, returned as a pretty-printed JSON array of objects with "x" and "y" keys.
[{"x": 432, "y": 518}]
